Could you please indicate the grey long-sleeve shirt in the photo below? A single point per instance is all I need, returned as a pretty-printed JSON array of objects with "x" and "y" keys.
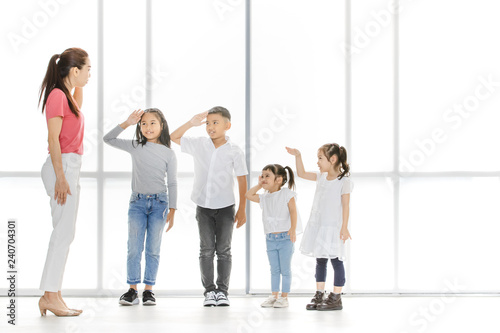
[{"x": 149, "y": 165}]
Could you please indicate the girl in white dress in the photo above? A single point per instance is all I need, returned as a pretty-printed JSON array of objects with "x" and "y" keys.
[
  {"x": 279, "y": 216},
  {"x": 326, "y": 231}
]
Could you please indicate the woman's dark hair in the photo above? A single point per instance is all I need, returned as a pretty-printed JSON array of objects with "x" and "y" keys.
[
  {"x": 280, "y": 171},
  {"x": 331, "y": 149},
  {"x": 57, "y": 71},
  {"x": 164, "y": 138}
]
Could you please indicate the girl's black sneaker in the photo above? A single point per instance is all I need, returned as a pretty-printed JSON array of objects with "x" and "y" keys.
[
  {"x": 129, "y": 298},
  {"x": 148, "y": 298}
]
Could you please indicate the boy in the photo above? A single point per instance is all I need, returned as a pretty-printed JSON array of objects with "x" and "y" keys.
[{"x": 215, "y": 159}]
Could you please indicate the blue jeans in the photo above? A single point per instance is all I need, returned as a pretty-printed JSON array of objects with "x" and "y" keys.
[
  {"x": 146, "y": 212},
  {"x": 279, "y": 251}
]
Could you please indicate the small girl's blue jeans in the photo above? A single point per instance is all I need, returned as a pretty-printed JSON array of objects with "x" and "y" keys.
[
  {"x": 279, "y": 251},
  {"x": 147, "y": 215}
]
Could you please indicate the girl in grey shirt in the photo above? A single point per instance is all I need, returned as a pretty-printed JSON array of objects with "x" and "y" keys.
[{"x": 150, "y": 201}]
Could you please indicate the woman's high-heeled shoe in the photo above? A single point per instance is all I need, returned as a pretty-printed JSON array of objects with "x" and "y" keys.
[
  {"x": 79, "y": 311},
  {"x": 44, "y": 306}
]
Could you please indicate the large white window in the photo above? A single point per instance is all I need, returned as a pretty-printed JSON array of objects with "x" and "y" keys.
[{"x": 412, "y": 92}]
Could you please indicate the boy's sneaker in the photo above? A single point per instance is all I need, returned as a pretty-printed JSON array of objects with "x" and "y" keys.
[
  {"x": 269, "y": 302},
  {"x": 129, "y": 298},
  {"x": 281, "y": 302},
  {"x": 148, "y": 298},
  {"x": 333, "y": 302},
  {"x": 221, "y": 299},
  {"x": 316, "y": 300},
  {"x": 210, "y": 299}
]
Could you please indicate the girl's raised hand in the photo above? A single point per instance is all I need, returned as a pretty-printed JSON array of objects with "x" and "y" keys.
[
  {"x": 199, "y": 119},
  {"x": 134, "y": 117},
  {"x": 344, "y": 234},
  {"x": 293, "y": 151}
]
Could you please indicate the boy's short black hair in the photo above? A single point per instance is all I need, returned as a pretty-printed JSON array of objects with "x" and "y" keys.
[{"x": 220, "y": 110}]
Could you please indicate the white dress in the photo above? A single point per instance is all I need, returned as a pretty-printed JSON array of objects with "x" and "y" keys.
[
  {"x": 321, "y": 237},
  {"x": 275, "y": 212}
]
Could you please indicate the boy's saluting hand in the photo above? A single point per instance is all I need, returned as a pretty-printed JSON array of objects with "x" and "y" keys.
[{"x": 199, "y": 119}]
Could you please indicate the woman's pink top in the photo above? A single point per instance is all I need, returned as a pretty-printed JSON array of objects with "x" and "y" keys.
[{"x": 71, "y": 137}]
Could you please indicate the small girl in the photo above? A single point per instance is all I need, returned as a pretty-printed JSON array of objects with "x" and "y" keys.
[
  {"x": 279, "y": 215},
  {"x": 326, "y": 231},
  {"x": 152, "y": 158}
]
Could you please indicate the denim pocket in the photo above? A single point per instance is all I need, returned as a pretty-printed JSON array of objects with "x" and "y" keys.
[
  {"x": 163, "y": 198},
  {"x": 133, "y": 198}
]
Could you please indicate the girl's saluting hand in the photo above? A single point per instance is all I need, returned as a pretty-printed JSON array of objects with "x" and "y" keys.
[
  {"x": 134, "y": 117},
  {"x": 199, "y": 119}
]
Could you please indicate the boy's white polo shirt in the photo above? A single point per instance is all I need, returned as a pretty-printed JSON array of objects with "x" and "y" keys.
[{"x": 213, "y": 171}]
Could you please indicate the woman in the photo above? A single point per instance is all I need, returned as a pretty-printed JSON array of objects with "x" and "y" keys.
[{"x": 66, "y": 72}]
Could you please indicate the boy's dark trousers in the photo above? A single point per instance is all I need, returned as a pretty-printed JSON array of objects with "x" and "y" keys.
[{"x": 216, "y": 231}]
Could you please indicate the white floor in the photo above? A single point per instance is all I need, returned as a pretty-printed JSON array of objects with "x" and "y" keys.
[{"x": 360, "y": 314}]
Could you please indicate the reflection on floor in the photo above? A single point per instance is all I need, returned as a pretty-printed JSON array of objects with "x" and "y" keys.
[{"x": 360, "y": 314}]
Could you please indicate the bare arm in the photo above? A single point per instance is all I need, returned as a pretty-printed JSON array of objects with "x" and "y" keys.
[
  {"x": 197, "y": 120},
  {"x": 292, "y": 207},
  {"x": 344, "y": 232},
  {"x": 78, "y": 96},
  {"x": 61, "y": 187},
  {"x": 252, "y": 193},
  {"x": 241, "y": 215},
  {"x": 301, "y": 172}
]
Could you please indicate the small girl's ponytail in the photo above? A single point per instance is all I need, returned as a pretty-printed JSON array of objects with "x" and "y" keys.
[
  {"x": 278, "y": 170},
  {"x": 343, "y": 161},
  {"x": 331, "y": 149},
  {"x": 291, "y": 179}
]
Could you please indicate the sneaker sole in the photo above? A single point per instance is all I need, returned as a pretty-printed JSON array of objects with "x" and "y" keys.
[
  {"x": 134, "y": 302},
  {"x": 209, "y": 304},
  {"x": 330, "y": 309},
  {"x": 222, "y": 304},
  {"x": 149, "y": 303}
]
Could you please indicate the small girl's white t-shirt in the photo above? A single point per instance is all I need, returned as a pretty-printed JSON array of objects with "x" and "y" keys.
[{"x": 275, "y": 212}]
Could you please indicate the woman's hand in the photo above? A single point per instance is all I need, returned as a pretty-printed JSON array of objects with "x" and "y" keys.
[
  {"x": 292, "y": 234},
  {"x": 61, "y": 190},
  {"x": 293, "y": 151},
  {"x": 344, "y": 234},
  {"x": 170, "y": 219},
  {"x": 199, "y": 119}
]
